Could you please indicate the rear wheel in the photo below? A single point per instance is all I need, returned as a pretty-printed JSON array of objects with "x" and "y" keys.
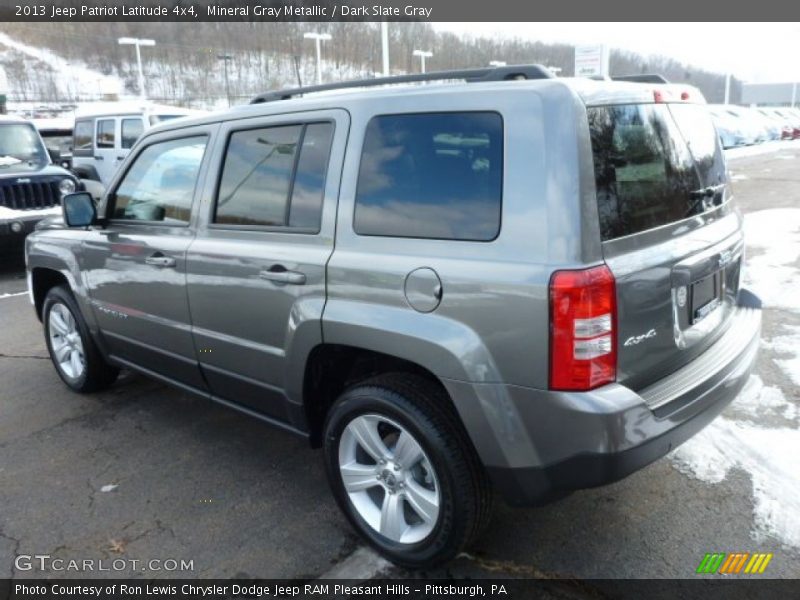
[
  {"x": 403, "y": 470},
  {"x": 72, "y": 350}
]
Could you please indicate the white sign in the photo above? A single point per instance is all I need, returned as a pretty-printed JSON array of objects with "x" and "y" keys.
[{"x": 591, "y": 60}]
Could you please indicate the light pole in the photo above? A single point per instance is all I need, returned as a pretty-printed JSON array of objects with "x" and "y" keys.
[
  {"x": 727, "y": 87},
  {"x": 385, "y": 47},
  {"x": 318, "y": 37},
  {"x": 225, "y": 58},
  {"x": 423, "y": 54},
  {"x": 126, "y": 41}
]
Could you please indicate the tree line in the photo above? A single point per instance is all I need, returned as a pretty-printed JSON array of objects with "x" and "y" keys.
[{"x": 184, "y": 66}]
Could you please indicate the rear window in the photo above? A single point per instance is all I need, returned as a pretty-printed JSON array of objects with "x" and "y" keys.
[
  {"x": 433, "y": 175},
  {"x": 648, "y": 159}
]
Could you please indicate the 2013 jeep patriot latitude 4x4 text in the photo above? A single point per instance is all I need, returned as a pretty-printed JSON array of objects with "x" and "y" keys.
[{"x": 529, "y": 286}]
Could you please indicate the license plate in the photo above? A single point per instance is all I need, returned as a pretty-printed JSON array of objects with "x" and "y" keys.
[{"x": 705, "y": 296}]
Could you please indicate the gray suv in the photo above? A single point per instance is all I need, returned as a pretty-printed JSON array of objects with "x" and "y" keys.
[{"x": 516, "y": 283}]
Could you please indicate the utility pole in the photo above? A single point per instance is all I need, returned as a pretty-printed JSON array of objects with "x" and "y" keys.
[
  {"x": 138, "y": 42},
  {"x": 794, "y": 93},
  {"x": 423, "y": 54},
  {"x": 225, "y": 58},
  {"x": 318, "y": 38},
  {"x": 385, "y": 47}
]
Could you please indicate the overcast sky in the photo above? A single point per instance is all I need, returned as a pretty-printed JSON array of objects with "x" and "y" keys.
[{"x": 751, "y": 51}]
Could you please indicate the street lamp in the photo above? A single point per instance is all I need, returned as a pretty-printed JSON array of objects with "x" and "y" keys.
[
  {"x": 423, "y": 54},
  {"x": 225, "y": 58},
  {"x": 385, "y": 47},
  {"x": 318, "y": 37},
  {"x": 127, "y": 41}
]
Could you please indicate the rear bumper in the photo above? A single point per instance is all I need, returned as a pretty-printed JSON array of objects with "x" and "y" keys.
[{"x": 539, "y": 445}]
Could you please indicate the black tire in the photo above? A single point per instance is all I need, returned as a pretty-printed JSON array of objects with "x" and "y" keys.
[
  {"x": 424, "y": 410},
  {"x": 97, "y": 373}
]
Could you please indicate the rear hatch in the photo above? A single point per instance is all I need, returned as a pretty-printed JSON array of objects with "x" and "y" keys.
[{"x": 669, "y": 233}]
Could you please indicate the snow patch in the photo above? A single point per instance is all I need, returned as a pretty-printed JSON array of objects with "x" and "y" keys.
[
  {"x": 772, "y": 273},
  {"x": 758, "y": 149},
  {"x": 788, "y": 344},
  {"x": 768, "y": 455}
]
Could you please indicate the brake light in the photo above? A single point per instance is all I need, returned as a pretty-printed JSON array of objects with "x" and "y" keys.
[
  {"x": 583, "y": 319},
  {"x": 658, "y": 96}
]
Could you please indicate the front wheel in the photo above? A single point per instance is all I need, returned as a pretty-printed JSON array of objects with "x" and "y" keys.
[
  {"x": 403, "y": 471},
  {"x": 72, "y": 350}
]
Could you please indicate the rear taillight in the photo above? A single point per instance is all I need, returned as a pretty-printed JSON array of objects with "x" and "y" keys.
[{"x": 583, "y": 322}]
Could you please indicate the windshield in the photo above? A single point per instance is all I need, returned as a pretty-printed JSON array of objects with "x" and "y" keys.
[
  {"x": 649, "y": 159},
  {"x": 20, "y": 140}
]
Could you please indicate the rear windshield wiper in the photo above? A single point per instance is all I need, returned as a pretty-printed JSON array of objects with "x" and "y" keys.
[{"x": 698, "y": 196}]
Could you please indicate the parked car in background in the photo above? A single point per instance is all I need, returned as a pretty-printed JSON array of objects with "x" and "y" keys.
[
  {"x": 751, "y": 130},
  {"x": 103, "y": 136},
  {"x": 772, "y": 127},
  {"x": 785, "y": 129},
  {"x": 31, "y": 187},
  {"x": 520, "y": 284},
  {"x": 57, "y": 136},
  {"x": 791, "y": 119},
  {"x": 728, "y": 128}
]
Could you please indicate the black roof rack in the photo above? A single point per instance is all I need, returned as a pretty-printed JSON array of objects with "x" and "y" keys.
[
  {"x": 643, "y": 78},
  {"x": 506, "y": 73}
]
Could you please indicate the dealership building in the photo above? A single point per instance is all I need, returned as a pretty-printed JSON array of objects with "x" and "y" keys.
[{"x": 771, "y": 94}]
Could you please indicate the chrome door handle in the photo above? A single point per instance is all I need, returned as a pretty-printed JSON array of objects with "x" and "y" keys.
[
  {"x": 283, "y": 276},
  {"x": 158, "y": 260}
]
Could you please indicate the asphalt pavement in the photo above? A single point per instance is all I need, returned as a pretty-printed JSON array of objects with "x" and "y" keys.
[{"x": 144, "y": 472}]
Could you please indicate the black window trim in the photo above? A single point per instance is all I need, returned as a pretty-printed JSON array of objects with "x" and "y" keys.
[
  {"x": 111, "y": 198},
  {"x": 441, "y": 239},
  {"x": 274, "y": 228}
]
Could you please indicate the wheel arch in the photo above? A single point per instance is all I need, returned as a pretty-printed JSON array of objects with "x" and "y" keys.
[{"x": 333, "y": 368}]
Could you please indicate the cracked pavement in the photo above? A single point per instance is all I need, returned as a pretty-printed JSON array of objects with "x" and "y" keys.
[{"x": 199, "y": 482}]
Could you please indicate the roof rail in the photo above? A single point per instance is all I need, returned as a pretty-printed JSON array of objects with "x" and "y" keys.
[
  {"x": 643, "y": 78},
  {"x": 506, "y": 73}
]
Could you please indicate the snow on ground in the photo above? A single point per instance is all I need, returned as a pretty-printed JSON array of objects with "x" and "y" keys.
[
  {"x": 69, "y": 75},
  {"x": 739, "y": 438},
  {"x": 769, "y": 455},
  {"x": 771, "y": 270}
]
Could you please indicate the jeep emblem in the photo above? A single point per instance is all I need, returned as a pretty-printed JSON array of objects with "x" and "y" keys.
[{"x": 23, "y": 180}]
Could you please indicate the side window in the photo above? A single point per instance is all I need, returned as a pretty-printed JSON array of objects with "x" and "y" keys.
[
  {"x": 275, "y": 176},
  {"x": 160, "y": 184},
  {"x": 105, "y": 133},
  {"x": 83, "y": 134},
  {"x": 432, "y": 175},
  {"x": 131, "y": 130}
]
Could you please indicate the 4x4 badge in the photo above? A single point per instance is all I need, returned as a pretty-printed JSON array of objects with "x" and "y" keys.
[{"x": 636, "y": 339}]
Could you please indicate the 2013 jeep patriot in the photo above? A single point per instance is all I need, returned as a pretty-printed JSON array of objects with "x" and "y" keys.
[{"x": 529, "y": 286}]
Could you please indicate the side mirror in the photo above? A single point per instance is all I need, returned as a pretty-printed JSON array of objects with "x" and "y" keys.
[{"x": 79, "y": 209}]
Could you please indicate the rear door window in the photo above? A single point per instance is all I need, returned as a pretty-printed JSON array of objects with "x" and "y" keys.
[
  {"x": 644, "y": 170},
  {"x": 105, "y": 133},
  {"x": 433, "y": 175},
  {"x": 275, "y": 177},
  {"x": 83, "y": 134},
  {"x": 132, "y": 129}
]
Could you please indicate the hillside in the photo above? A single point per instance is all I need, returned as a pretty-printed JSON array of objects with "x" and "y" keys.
[{"x": 76, "y": 61}]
